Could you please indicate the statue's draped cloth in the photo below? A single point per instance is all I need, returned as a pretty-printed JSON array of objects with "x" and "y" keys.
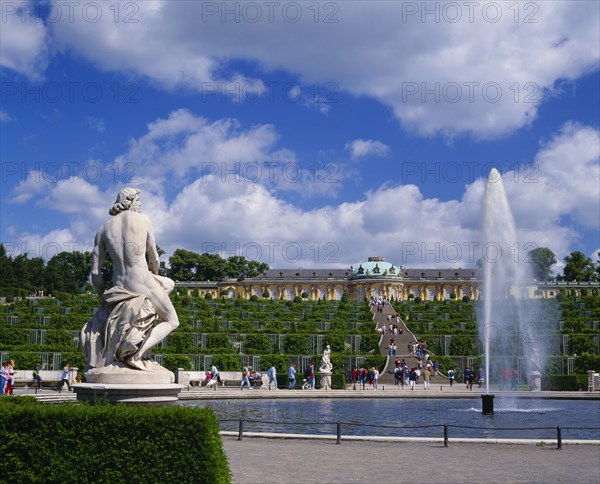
[{"x": 118, "y": 328}]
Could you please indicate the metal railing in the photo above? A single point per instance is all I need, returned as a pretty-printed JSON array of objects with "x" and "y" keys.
[{"x": 445, "y": 428}]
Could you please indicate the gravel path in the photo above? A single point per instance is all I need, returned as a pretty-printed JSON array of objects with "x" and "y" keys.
[{"x": 266, "y": 461}]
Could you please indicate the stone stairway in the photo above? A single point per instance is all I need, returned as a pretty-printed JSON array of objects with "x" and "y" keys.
[{"x": 402, "y": 341}]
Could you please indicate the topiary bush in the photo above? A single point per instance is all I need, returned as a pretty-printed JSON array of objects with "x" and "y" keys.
[{"x": 110, "y": 443}]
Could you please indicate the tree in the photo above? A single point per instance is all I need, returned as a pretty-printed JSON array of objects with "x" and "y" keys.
[
  {"x": 578, "y": 267},
  {"x": 541, "y": 259},
  {"x": 183, "y": 264},
  {"x": 238, "y": 267},
  {"x": 68, "y": 271}
]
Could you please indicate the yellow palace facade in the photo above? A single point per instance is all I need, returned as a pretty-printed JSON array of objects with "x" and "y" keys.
[{"x": 375, "y": 277}]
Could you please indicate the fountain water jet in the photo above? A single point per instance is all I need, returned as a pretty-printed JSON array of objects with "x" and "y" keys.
[{"x": 504, "y": 271}]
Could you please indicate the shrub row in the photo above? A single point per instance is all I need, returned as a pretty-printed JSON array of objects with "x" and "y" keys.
[{"x": 109, "y": 443}]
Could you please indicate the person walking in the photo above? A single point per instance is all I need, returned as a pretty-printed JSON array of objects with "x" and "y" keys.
[
  {"x": 66, "y": 377},
  {"x": 413, "y": 378},
  {"x": 10, "y": 379},
  {"x": 36, "y": 376},
  {"x": 272, "y": 374},
  {"x": 375, "y": 377},
  {"x": 426, "y": 378},
  {"x": 245, "y": 379},
  {"x": 451, "y": 376},
  {"x": 311, "y": 376},
  {"x": 362, "y": 376},
  {"x": 467, "y": 376},
  {"x": 214, "y": 371},
  {"x": 3, "y": 377},
  {"x": 292, "y": 376}
]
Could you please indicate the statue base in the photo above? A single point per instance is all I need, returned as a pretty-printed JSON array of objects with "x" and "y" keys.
[
  {"x": 535, "y": 381},
  {"x": 118, "y": 373},
  {"x": 139, "y": 394},
  {"x": 325, "y": 380}
]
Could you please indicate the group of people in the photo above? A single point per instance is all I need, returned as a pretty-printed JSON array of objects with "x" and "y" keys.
[
  {"x": 418, "y": 350},
  {"x": 393, "y": 328},
  {"x": 379, "y": 303},
  {"x": 409, "y": 377},
  {"x": 249, "y": 376},
  {"x": 7, "y": 377},
  {"x": 509, "y": 379},
  {"x": 471, "y": 377},
  {"x": 362, "y": 376},
  {"x": 8, "y": 372}
]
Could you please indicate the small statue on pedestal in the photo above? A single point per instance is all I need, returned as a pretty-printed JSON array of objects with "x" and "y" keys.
[{"x": 326, "y": 369}]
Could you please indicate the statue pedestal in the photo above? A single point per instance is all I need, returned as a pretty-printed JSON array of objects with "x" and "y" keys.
[
  {"x": 119, "y": 373},
  {"x": 325, "y": 379},
  {"x": 140, "y": 394},
  {"x": 535, "y": 381}
]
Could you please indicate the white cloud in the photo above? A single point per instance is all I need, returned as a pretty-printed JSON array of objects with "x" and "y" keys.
[
  {"x": 236, "y": 216},
  {"x": 23, "y": 40},
  {"x": 473, "y": 75},
  {"x": 6, "y": 117},
  {"x": 96, "y": 124},
  {"x": 34, "y": 184},
  {"x": 360, "y": 148},
  {"x": 183, "y": 145}
]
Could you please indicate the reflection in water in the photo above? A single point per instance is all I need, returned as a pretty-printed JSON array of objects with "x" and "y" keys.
[{"x": 365, "y": 417}]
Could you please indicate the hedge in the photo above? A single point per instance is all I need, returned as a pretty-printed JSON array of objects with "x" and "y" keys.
[
  {"x": 110, "y": 443},
  {"x": 561, "y": 383}
]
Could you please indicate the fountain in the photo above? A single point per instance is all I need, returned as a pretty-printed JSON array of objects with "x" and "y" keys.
[{"x": 504, "y": 272}]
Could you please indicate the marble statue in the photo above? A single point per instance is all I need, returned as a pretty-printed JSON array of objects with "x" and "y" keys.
[
  {"x": 326, "y": 369},
  {"x": 326, "y": 360},
  {"x": 535, "y": 373},
  {"x": 136, "y": 312}
]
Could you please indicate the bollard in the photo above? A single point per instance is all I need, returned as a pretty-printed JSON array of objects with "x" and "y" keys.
[
  {"x": 241, "y": 431},
  {"x": 440, "y": 388},
  {"x": 445, "y": 435},
  {"x": 339, "y": 433},
  {"x": 559, "y": 437}
]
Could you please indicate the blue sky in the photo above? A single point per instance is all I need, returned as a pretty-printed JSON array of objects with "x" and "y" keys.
[{"x": 355, "y": 128}]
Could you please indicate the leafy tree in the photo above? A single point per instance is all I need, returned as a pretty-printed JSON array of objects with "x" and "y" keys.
[
  {"x": 578, "y": 267},
  {"x": 68, "y": 271},
  {"x": 185, "y": 265},
  {"x": 541, "y": 259},
  {"x": 182, "y": 265},
  {"x": 239, "y": 267}
]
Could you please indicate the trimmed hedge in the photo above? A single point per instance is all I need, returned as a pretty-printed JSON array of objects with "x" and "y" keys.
[
  {"x": 110, "y": 443},
  {"x": 562, "y": 383}
]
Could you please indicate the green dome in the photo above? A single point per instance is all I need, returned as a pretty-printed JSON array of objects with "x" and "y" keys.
[{"x": 374, "y": 267}]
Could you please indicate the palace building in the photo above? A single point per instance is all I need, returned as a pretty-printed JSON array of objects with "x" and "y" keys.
[{"x": 375, "y": 277}]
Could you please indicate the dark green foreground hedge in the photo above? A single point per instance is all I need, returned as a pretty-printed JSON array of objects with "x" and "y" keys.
[{"x": 109, "y": 443}]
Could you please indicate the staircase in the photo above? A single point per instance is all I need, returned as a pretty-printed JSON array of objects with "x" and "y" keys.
[{"x": 401, "y": 340}]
